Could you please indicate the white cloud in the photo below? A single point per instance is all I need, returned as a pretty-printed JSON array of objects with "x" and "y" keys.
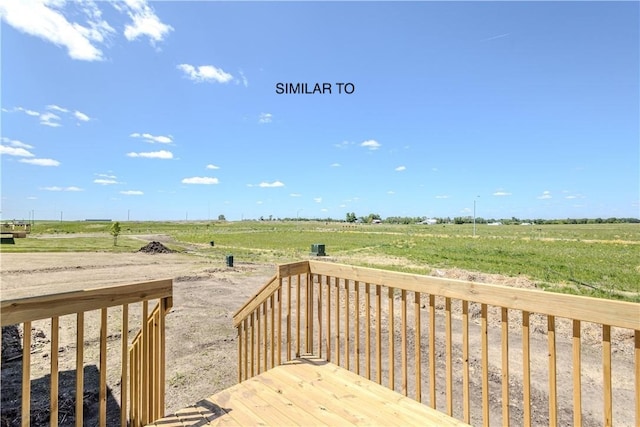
[
  {"x": 265, "y": 118},
  {"x": 371, "y": 144},
  {"x": 214, "y": 167},
  {"x": 79, "y": 26},
  {"x": 132, "y": 193},
  {"x": 343, "y": 144},
  {"x": 161, "y": 139},
  {"x": 317, "y": 199},
  {"x": 21, "y": 109},
  {"x": 81, "y": 116},
  {"x": 38, "y": 19},
  {"x": 444, "y": 196},
  {"x": 41, "y": 162},
  {"x": 29, "y": 112},
  {"x": 105, "y": 181},
  {"x": 501, "y": 193},
  {"x": 145, "y": 22},
  {"x": 15, "y": 151},
  {"x": 104, "y": 175},
  {"x": 545, "y": 195},
  {"x": 244, "y": 80},
  {"x": 271, "y": 184},
  {"x": 162, "y": 154},
  {"x": 56, "y": 188},
  {"x": 401, "y": 168},
  {"x": 57, "y": 108},
  {"x": 391, "y": 192},
  {"x": 16, "y": 143},
  {"x": 206, "y": 180},
  {"x": 47, "y": 119},
  {"x": 335, "y": 165},
  {"x": 295, "y": 195},
  {"x": 205, "y": 73}
]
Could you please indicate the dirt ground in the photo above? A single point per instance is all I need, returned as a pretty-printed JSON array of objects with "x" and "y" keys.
[{"x": 201, "y": 341}]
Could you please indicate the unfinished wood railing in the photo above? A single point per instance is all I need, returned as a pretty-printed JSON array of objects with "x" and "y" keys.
[
  {"x": 477, "y": 352},
  {"x": 141, "y": 366}
]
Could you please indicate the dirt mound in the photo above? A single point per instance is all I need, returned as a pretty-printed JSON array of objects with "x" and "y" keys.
[{"x": 155, "y": 248}]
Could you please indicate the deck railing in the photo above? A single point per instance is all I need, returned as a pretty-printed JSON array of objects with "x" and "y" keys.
[
  {"x": 141, "y": 364},
  {"x": 431, "y": 338}
]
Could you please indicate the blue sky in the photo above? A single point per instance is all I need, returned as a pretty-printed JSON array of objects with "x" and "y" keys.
[{"x": 169, "y": 110}]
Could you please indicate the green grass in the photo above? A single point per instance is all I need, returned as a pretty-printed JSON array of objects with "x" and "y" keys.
[{"x": 590, "y": 259}]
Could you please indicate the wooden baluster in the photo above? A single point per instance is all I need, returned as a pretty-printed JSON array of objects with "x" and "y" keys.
[
  {"x": 404, "y": 342},
  {"x": 466, "y": 410},
  {"x": 577, "y": 372},
  {"x": 328, "y": 339},
  {"x": 347, "y": 334},
  {"x": 367, "y": 342},
  {"x": 298, "y": 325},
  {"x": 279, "y": 330},
  {"x": 102, "y": 405},
  {"x": 240, "y": 361},
  {"x": 378, "y": 334},
  {"x": 505, "y": 365},
  {"x": 55, "y": 324},
  {"x": 391, "y": 340},
  {"x": 258, "y": 339},
  {"x": 553, "y": 403},
  {"x": 606, "y": 374},
  {"x": 485, "y": 364},
  {"x": 526, "y": 368},
  {"x": 448, "y": 356},
  {"x": 418, "y": 350},
  {"x": 253, "y": 338},
  {"x": 265, "y": 336},
  {"x": 273, "y": 329},
  {"x": 356, "y": 350},
  {"x": 319, "y": 310},
  {"x": 337, "y": 343},
  {"x": 289, "y": 318},
  {"x": 309, "y": 316},
  {"x": 79, "y": 368},
  {"x": 432, "y": 351},
  {"x": 245, "y": 328},
  {"x": 26, "y": 373}
]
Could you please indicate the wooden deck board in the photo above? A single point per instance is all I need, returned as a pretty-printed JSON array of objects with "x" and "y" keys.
[{"x": 307, "y": 392}]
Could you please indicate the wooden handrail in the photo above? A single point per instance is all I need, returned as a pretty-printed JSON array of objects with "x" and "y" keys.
[
  {"x": 19, "y": 310},
  {"x": 258, "y": 298},
  {"x": 588, "y": 309}
]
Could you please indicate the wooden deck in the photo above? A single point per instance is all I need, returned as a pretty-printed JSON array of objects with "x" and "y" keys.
[{"x": 308, "y": 391}]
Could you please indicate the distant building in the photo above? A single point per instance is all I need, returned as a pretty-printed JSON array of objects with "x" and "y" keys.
[
  {"x": 429, "y": 221},
  {"x": 495, "y": 223}
]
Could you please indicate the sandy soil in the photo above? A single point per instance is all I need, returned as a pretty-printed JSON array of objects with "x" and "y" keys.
[{"x": 201, "y": 340}]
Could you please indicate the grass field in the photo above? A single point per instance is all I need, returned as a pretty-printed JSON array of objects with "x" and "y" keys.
[{"x": 591, "y": 259}]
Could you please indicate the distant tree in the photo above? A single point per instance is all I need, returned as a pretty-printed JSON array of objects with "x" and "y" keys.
[
  {"x": 351, "y": 217},
  {"x": 221, "y": 218},
  {"x": 115, "y": 231},
  {"x": 369, "y": 219}
]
